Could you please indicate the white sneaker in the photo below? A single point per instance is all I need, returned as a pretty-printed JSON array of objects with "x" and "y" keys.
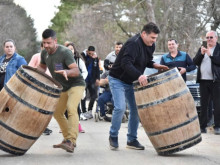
[
  {"x": 82, "y": 117},
  {"x": 88, "y": 115}
]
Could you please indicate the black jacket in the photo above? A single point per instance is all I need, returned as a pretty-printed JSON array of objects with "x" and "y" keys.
[
  {"x": 132, "y": 60},
  {"x": 93, "y": 71},
  {"x": 215, "y": 59}
]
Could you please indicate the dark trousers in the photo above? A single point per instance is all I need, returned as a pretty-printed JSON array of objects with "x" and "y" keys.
[
  {"x": 209, "y": 90},
  {"x": 93, "y": 93},
  {"x": 105, "y": 97}
]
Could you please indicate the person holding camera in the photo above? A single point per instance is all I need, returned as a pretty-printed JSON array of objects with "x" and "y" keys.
[
  {"x": 106, "y": 96},
  {"x": 208, "y": 61},
  {"x": 110, "y": 58},
  {"x": 176, "y": 58}
]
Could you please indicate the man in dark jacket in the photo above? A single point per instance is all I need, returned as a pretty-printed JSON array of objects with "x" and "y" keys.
[
  {"x": 135, "y": 55},
  {"x": 92, "y": 80},
  {"x": 208, "y": 62},
  {"x": 176, "y": 58},
  {"x": 110, "y": 59}
]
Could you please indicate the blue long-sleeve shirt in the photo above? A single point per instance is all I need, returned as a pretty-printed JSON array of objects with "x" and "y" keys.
[{"x": 181, "y": 60}]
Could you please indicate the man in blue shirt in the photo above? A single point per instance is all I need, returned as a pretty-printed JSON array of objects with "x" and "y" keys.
[{"x": 176, "y": 58}]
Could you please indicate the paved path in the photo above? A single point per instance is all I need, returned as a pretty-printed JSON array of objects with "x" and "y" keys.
[{"x": 93, "y": 149}]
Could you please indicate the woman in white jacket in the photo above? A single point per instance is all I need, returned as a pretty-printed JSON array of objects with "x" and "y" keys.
[{"x": 81, "y": 64}]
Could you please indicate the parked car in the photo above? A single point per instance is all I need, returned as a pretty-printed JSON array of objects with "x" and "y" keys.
[
  {"x": 194, "y": 88},
  {"x": 191, "y": 81}
]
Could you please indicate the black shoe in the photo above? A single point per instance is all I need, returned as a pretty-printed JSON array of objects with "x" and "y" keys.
[
  {"x": 113, "y": 141},
  {"x": 47, "y": 131},
  {"x": 203, "y": 130},
  {"x": 210, "y": 123},
  {"x": 217, "y": 131},
  {"x": 135, "y": 145},
  {"x": 108, "y": 119}
]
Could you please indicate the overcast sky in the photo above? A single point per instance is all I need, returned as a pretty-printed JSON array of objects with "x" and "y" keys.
[{"x": 42, "y": 11}]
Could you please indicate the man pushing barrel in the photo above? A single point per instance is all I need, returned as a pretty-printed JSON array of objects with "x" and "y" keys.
[
  {"x": 64, "y": 69},
  {"x": 135, "y": 55}
]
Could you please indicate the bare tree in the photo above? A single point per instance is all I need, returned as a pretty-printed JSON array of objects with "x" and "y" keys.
[
  {"x": 148, "y": 9},
  {"x": 16, "y": 25},
  {"x": 104, "y": 22},
  {"x": 215, "y": 7}
]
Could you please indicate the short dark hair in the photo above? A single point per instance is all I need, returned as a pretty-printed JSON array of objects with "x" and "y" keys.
[
  {"x": 151, "y": 27},
  {"x": 91, "y": 48},
  {"x": 8, "y": 40},
  {"x": 49, "y": 33},
  {"x": 119, "y": 43},
  {"x": 172, "y": 39}
]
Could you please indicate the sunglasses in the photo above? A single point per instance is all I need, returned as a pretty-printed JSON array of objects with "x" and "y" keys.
[{"x": 209, "y": 37}]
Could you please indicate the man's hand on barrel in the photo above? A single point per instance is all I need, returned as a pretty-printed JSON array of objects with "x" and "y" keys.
[
  {"x": 160, "y": 67},
  {"x": 182, "y": 70},
  {"x": 143, "y": 80}
]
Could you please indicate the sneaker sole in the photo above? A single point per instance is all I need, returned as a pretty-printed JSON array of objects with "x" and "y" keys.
[
  {"x": 113, "y": 148},
  {"x": 88, "y": 117},
  {"x": 83, "y": 118},
  {"x": 107, "y": 120},
  {"x": 134, "y": 148},
  {"x": 57, "y": 146},
  {"x": 66, "y": 148}
]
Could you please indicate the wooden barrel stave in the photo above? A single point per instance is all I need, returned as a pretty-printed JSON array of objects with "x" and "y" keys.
[{"x": 153, "y": 115}]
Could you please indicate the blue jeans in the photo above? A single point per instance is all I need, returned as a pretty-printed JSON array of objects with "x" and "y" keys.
[
  {"x": 105, "y": 97},
  {"x": 122, "y": 92}
]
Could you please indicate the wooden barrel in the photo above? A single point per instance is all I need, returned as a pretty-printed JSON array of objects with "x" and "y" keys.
[
  {"x": 27, "y": 104},
  {"x": 167, "y": 112}
]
